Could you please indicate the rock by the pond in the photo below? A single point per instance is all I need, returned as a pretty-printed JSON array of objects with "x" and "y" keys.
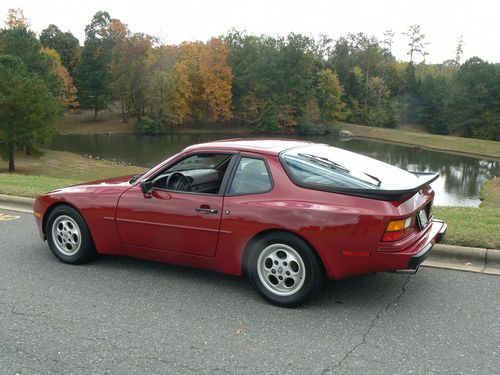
[{"x": 345, "y": 134}]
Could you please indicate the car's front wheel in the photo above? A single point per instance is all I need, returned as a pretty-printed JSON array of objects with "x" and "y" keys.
[
  {"x": 284, "y": 269},
  {"x": 68, "y": 235}
]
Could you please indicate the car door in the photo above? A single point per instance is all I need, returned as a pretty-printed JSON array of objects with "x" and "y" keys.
[{"x": 181, "y": 222}]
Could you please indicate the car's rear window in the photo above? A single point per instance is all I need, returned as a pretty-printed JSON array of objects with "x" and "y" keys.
[{"x": 317, "y": 166}]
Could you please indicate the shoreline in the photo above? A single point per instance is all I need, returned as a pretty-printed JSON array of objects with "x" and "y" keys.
[
  {"x": 355, "y": 129},
  {"x": 461, "y": 153}
]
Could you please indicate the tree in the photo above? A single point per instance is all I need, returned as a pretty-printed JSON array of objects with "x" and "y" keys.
[
  {"x": 67, "y": 97},
  {"x": 216, "y": 79},
  {"x": 129, "y": 66},
  {"x": 16, "y": 19},
  {"x": 416, "y": 42},
  {"x": 64, "y": 43},
  {"x": 329, "y": 96},
  {"x": 24, "y": 44},
  {"x": 388, "y": 40},
  {"x": 28, "y": 109},
  {"x": 434, "y": 92},
  {"x": 93, "y": 77},
  {"x": 170, "y": 92},
  {"x": 474, "y": 98},
  {"x": 273, "y": 82},
  {"x": 381, "y": 108},
  {"x": 459, "y": 51}
]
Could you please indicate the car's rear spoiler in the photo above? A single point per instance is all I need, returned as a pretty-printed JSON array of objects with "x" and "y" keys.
[{"x": 424, "y": 179}]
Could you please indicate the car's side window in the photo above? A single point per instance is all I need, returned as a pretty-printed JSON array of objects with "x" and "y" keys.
[
  {"x": 251, "y": 177},
  {"x": 199, "y": 173}
]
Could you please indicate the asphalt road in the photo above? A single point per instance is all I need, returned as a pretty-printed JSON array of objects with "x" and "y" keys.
[{"x": 119, "y": 315}]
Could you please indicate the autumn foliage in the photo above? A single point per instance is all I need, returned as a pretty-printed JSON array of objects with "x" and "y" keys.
[
  {"x": 190, "y": 82},
  {"x": 291, "y": 84},
  {"x": 216, "y": 78}
]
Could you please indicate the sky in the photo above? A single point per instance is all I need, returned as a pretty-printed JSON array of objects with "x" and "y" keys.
[{"x": 443, "y": 21}]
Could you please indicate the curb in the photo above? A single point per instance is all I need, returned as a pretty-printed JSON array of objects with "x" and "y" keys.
[
  {"x": 462, "y": 258},
  {"x": 471, "y": 259},
  {"x": 13, "y": 203}
]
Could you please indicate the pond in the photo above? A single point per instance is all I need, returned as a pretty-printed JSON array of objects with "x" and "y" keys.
[{"x": 459, "y": 185}]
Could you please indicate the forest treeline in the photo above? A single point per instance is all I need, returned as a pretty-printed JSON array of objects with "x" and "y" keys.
[{"x": 293, "y": 84}]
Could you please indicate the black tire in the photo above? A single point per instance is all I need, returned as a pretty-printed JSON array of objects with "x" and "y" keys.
[
  {"x": 269, "y": 246},
  {"x": 70, "y": 244}
]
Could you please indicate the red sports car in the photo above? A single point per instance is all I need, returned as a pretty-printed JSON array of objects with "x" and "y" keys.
[{"x": 287, "y": 213}]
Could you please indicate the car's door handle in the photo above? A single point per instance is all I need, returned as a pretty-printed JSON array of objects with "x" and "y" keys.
[{"x": 207, "y": 210}]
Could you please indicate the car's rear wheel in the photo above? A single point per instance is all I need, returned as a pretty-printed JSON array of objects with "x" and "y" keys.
[
  {"x": 68, "y": 235},
  {"x": 284, "y": 269}
]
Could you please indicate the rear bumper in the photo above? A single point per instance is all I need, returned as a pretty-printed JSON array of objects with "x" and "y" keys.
[
  {"x": 422, "y": 255},
  {"x": 404, "y": 257}
]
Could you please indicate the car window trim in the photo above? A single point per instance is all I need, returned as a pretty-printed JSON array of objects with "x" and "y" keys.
[{"x": 235, "y": 167}]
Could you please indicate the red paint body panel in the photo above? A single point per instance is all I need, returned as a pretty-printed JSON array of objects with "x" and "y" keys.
[
  {"x": 96, "y": 201},
  {"x": 168, "y": 221},
  {"x": 166, "y": 227}
]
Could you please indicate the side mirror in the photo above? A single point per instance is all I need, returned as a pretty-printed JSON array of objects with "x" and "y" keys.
[{"x": 146, "y": 186}]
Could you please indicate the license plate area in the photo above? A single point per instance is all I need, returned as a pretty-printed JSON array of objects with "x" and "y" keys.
[{"x": 423, "y": 220}]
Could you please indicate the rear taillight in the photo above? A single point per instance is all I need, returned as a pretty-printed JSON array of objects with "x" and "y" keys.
[{"x": 399, "y": 229}]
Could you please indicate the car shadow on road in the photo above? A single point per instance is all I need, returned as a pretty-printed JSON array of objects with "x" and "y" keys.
[{"x": 359, "y": 291}]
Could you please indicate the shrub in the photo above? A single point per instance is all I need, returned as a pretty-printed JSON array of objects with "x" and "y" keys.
[
  {"x": 312, "y": 128},
  {"x": 148, "y": 125}
]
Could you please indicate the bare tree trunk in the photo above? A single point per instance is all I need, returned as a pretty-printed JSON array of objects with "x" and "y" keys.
[
  {"x": 124, "y": 113},
  {"x": 366, "y": 90},
  {"x": 10, "y": 151},
  {"x": 96, "y": 109},
  {"x": 29, "y": 150}
]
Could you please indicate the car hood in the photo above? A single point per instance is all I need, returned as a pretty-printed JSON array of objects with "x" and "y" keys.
[{"x": 117, "y": 184}]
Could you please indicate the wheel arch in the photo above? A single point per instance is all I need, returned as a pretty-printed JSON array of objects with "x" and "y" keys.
[
  {"x": 52, "y": 207},
  {"x": 257, "y": 237}
]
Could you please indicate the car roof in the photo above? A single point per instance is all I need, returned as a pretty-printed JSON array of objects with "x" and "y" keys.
[{"x": 258, "y": 145}]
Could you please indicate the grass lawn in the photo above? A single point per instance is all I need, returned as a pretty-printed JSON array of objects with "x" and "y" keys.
[
  {"x": 56, "y": 169},
  {"x": 415, "y": 136},
  {"x": 84, "y": 123},
  {"x": 111, "y": 122},
  {"x": 31, "y": 186},
  {"x": 477, "y": 227}
]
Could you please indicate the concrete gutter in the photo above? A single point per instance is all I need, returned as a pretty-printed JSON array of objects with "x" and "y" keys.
[
  {"x": 461, "y": 258},
  {"x": 452, "y": 257},
  {"x": 21, "y": 204}
]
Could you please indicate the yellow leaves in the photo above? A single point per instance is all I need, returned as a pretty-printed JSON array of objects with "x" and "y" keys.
[
  {"x": 183, "y": 93},
  {"x": 358, "y": 73},
  {"x": 192, "y": 79},
  {"x": 68, "y": 97},
  {"x": 16, "y": 18},
  {"x": 216, "y": 77},
  {"x": 329, "y": 92}
]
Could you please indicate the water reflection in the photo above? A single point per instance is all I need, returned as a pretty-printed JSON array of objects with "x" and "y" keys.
[
  {"x": 459, "y": 185},
  {"x": 461, "y": 176}
]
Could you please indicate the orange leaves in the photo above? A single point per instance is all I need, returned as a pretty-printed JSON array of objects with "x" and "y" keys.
[
  {"x": 67, "y": 97},
  {"x": 216, "y": 77},
  {"x": 192, "y": 80},
  {"x": 16, "y": 18}
]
